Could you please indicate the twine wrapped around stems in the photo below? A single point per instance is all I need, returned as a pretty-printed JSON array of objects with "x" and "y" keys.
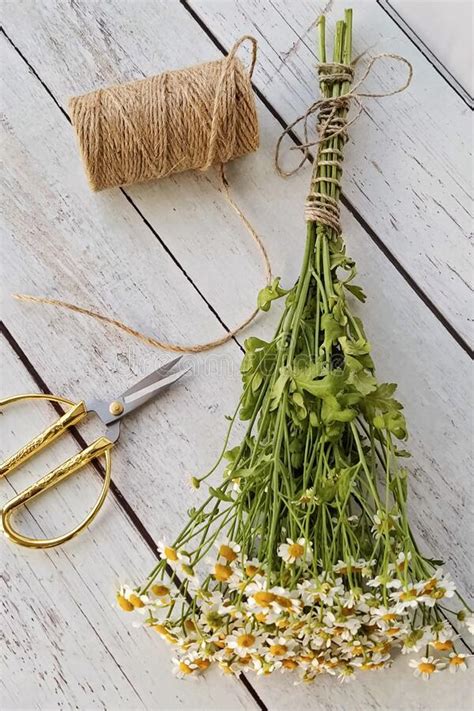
[{"x": 332, "y": 122}]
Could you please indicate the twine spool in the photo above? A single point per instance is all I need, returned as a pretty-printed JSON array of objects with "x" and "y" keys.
[{"x": 188, "y": 119}]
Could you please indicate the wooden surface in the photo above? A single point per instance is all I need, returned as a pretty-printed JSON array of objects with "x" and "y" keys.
[{"x": 172, "y": 259}]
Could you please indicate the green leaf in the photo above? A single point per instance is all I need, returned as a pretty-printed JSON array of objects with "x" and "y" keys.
[
  {"x": 333, "y": 411},
  {"x": 354, "y": 348},
  {"x": 279, "y": 387},
  {"x": 330, "y": 384},
  {"x": 332, "y": 329},
  {"x": 363, "y": 381},
  {"x": 231, "y": 454},
  {"x": 218, "y": 494},
  {"x": 356, "y": 291},
  {"x": 269, "y": 293},
  {"x": 257, "y": 380}
]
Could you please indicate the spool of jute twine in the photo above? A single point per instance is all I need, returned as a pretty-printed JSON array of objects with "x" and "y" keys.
[
  {"x": 215, "y": 130},
  {"x": 188, "y": 119}
]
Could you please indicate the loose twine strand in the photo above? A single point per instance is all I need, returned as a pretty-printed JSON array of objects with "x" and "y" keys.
[
  {"x": 319, "y": 207},
  {"x": 331, "y": 122}
]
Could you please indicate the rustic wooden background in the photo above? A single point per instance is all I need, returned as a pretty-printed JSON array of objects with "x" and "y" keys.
[{"x": 172, "y": 259}]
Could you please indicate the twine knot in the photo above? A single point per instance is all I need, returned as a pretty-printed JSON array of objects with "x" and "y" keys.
[{"x": 332, "y": 122}]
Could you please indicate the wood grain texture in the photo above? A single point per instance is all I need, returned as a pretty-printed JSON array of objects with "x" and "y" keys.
[
  {"x": 64, "y": 644},
  {"x": 96, "y": 250},
  {"x": 410, "y": 155}
]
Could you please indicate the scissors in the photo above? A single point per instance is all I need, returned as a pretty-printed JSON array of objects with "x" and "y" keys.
[{"x": 111, "y": 413}]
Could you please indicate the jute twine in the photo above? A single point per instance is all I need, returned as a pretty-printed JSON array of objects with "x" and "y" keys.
[
  {"x": 331, "y": 122},
  {"x": 319, "y": 207},
  {"x": 189, "y": 119}
]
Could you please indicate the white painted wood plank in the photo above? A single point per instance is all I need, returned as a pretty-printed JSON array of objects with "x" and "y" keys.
[
  {"x": 64, "y": 643},
  {"x": 446, "y": 29},
  {"x": 186, "y": 431},
  {"x": 409, "y": 156}
]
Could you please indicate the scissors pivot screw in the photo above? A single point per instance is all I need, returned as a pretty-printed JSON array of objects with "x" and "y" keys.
[{"x": 116, "y": 408}]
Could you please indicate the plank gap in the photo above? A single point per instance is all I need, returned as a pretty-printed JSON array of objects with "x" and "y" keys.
[{"x": 427, "y": 53}]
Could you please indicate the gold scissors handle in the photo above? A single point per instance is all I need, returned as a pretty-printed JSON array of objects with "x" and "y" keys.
[{"x": 99, "y": 447}]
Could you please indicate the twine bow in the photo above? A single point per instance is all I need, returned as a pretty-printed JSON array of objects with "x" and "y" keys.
[{"x": 332, "y": 122}]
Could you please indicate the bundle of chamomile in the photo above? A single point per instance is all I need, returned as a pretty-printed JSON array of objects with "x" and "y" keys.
[{"x": 302, "y": 560}]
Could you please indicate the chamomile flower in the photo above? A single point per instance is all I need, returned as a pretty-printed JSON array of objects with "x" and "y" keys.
[
  {"x": 401, "y": 562},
  {"x": 171, "y": 554},
  {"x": 278, "y": 648},
  {"x": 129, "y": 599},
  {"x": 384, "y": 523},
  {"x": 244, "y": 641},
  {"x": 457, "y": 662},
  {"x": 442, "y": 631},
  {"x": 295, "y": 551},
  {"x": 228, "y": 551},
  {"x": 346, "y": 674},
  {"x": 426, "y": 667},
  {"x": 183, "y": 668}
]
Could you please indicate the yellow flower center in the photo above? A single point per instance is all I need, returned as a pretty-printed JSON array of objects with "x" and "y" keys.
[
  {"x": 426, "y": 667},
  {"x": 278, "y": 649},
  {"x": 264, "y": 598},
  {"x": 161, "y": 629},
  {"x": 227, "y": 553},
  {"x": 389, "y": 617},
  {"x": 393, "y": 631},
  {"x": 251, "y": 570},
  {"x": 457, "y": 660},
  {"x": 443, "y": 646},
  {"x": 160, "y": 590},
  {"x": 124, "y": 603},
  {"x": 222, "y": 572},
  {"x": 170, "y": 553},
  {"x": 283, "y": 602},
  {"x": 261, "y": 617},
  {"x": 136, "y": 602},
  {"x": 245, "y": 660},
  {"x": 289, "y": 664},
  {"x": 202, "y": 663},
  {"x": 190, "y": 626},
  {"x": 184, "y": 668},
  {"x": 295, "y": 550},
  {"x": 408, "y": 595},
  {"x": 246, "y": 640}
]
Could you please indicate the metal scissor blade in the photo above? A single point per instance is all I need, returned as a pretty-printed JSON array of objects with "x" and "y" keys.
[
  {"x": 139, "y": 397},
  {"x": 152, "y": 378}
]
